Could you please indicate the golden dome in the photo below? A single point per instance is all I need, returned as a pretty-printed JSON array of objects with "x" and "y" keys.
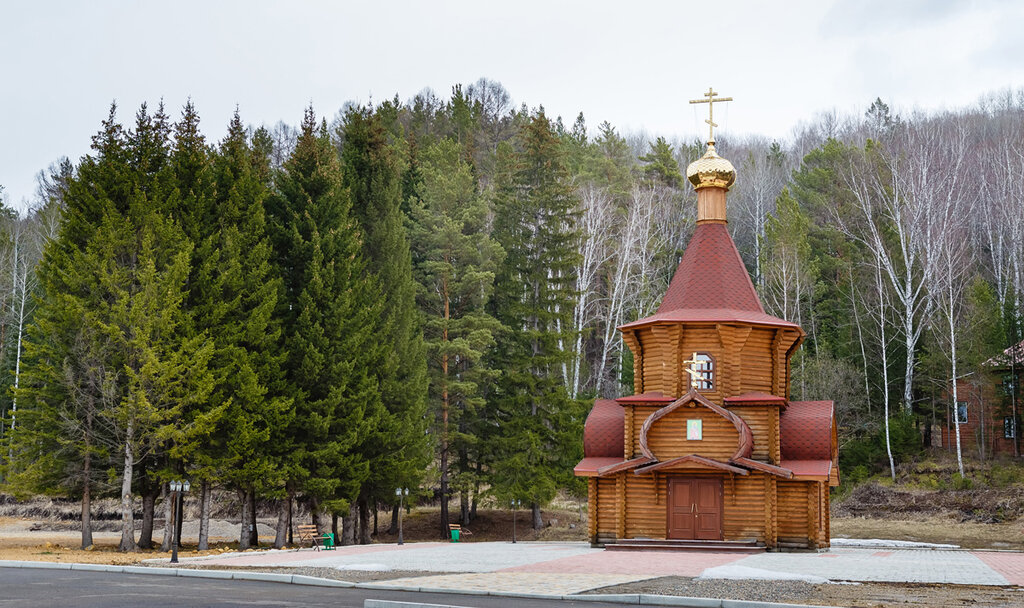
[{"x": 711, "y": 170}]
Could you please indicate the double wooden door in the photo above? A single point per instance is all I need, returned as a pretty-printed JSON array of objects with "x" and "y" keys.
[{"x": 695, "y": 508}]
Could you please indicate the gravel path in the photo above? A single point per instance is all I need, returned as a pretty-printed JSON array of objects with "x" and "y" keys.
[{"x": 860, "y": 595}]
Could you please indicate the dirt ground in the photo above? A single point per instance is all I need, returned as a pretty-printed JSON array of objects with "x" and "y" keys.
[
  {"x": 934, "y": 529},
  {"x": 864, "y": 595}
]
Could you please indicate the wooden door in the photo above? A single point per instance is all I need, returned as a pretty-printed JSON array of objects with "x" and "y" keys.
[
  {"x": 681, "y": 499},
  {"x": 694, "y": 508}
]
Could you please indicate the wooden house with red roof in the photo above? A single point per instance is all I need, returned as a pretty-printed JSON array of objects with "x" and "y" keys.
[{"x": 710, "y": 451}]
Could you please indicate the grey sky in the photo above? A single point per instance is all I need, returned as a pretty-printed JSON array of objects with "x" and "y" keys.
[{"x": 634, "y": 64}]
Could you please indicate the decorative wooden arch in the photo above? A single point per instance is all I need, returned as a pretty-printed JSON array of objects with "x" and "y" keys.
[{"x": 746, "y": 437}]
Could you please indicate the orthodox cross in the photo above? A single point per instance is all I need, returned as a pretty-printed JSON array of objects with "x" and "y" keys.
[
  {"x": 711, "y": 99},
  {"x": 695, "y": 367}
]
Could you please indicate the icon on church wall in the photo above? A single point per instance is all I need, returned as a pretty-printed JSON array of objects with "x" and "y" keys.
[{"x": 694, "y": 430}]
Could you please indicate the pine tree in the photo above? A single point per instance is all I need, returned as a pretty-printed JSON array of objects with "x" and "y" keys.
[
  {"x": 538, "y": 425},
  {"x": 662, "y": 165},
  {"x": 330, "y": 314},
  {"x": 455, "y": 261},
  {"x": 398, "y": 446}
]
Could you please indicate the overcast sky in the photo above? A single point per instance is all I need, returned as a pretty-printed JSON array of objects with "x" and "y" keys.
[{"x": 634, "y": 64}]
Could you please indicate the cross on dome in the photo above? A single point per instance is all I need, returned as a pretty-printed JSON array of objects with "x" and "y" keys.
[{"x": 711, "y": 99}]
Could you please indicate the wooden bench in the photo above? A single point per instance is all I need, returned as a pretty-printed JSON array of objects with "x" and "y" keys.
[
  {"x": 455, "y": 531},
  {"x": 308, "y": 533}
]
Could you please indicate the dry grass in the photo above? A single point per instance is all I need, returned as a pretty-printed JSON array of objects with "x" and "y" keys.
[{"x": 933, "y": 529}]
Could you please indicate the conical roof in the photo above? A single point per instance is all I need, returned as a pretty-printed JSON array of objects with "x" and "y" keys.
[{"x": 711, "y": 275}]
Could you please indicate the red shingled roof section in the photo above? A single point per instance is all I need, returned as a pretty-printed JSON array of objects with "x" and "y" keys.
[
  {"x": 805, "y": 431},
  {"x": 711, "y": 275},
  {"x": 711, "y": 315},
  {"x": 588, "y": 467},
  {"x": 604, "y": 430},
  {"x": 812, "y": 468}
]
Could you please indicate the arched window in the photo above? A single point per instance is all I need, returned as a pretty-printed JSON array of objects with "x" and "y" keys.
[
  {"x": 699, "y": 372},
  {"x": 706, "y": 366}
]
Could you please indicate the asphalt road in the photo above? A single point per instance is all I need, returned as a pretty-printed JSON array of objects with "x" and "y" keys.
[{"x": 31, "y": 587}]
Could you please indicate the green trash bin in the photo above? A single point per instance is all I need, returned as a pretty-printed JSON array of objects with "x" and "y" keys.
[
  {"x": 455, "y": 535},
  {"x": 328, "y": 541}
]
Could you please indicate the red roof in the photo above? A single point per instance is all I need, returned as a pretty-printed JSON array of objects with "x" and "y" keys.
[
  {"x": 711, "y": 275},
  {"x": 711, "y": 315},
  {"x": 808, "y": 468},
  {"x": 805, "y": 431},
  {"x": 754, "y": 398},
  {"x": 1014, "y": 354},
  {"x": 588, "y": 467},
  {"x": 651, "y": 397},
  {"x": 604, "y": 430}
]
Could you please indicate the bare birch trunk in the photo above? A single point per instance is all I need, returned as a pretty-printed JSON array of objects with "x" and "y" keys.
[{"x": 885, "y": 377}]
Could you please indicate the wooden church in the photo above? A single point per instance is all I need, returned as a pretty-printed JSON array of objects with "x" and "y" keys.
[{"x": 710, "y": 450}]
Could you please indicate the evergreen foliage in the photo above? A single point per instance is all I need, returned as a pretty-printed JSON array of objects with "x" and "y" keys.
[
  {"x": 455, "y": 262},
  {"x": 396, "y": 446},
  {"x": 330, "y": 314},
  {"x": 537, "y": 425}
]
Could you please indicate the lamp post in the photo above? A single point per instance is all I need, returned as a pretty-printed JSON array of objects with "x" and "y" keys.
[
  {"x": 515, "y": 505},
  {"x": 401, "y": 493},
  {"x": 178, "y": 489}
]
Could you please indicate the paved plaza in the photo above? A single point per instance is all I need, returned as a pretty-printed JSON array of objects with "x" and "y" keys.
[{"x": 568, "y": 568}]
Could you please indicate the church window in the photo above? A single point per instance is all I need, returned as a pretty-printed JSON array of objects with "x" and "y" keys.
[
  {"x": 706, "y": 366},
  {"x": 1009, "y": 428}
]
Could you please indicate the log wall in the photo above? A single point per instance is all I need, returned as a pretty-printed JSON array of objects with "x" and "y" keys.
[
  {"x": 647, "y": 510},
  {"x": 744, "y": 497},
  {"x": 605, "y": 508},
  {"x": 667, "y": 436}
]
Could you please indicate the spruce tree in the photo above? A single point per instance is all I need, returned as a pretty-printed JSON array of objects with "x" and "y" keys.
[
  {"x": 235, "y": 294},
  {"x": 455, "y": 261},
  {"x": 397, "y": 447},
  {"x": 537, "y": 424},
  {"x": 330, "y": 313}
]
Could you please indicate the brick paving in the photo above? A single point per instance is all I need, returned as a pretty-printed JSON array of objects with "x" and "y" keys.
[
  {"x": 566, "y": 568},
  {"x": 651, "y": 563},
  {"x": 1009, "y": 564},
  {"x": 516, "y": 582}
]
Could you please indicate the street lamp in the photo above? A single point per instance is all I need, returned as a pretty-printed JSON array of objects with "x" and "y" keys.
[
  {"x": 178, "y": 489},
  {"x": 401, "y": 493},
  {"x": 515, "y": 505}
]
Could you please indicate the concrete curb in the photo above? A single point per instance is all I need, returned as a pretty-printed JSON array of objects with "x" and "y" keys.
[{"x": 298, "y": 579}]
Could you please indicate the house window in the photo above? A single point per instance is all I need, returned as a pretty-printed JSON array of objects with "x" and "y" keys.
[
  {"x": 706, "y": 366},
  {"x": 1007, "y": 385},
  {"x": 1009, "y": 428},
  {"x": 961, "y": 412}
]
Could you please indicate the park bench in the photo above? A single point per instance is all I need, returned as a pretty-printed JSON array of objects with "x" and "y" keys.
[
  {"x": 455, "y": 531},
  {"x": 308, "y": 533}
]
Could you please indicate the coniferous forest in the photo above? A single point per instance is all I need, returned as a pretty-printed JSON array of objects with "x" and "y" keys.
[{"x": 424, "y": 294}]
